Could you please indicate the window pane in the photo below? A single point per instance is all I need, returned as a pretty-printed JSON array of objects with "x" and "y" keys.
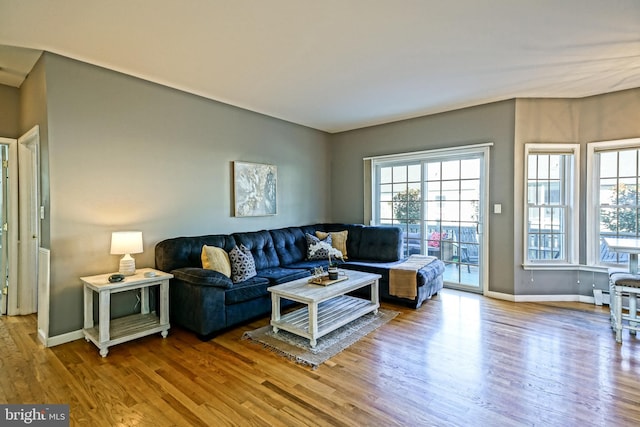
[
  {"x": 543, "y": 166},
  {"x": 608, "y": 220},
  {"x": 470, "y": 169},
  {"x": 555, "y": 162},
  {"x": 608, "y": 193},
  {"x": 451, "y": 170},
  {"x": 386, "y": 213},
  {"x": 433, "y": 171},
  {"x": 450, "y": 190},
  {"x": 433, "y": 211},
  {"x": 450, "y": 211},
  {"x": 608, "y": 164},
  {"x": 628, "y": 163},
  {"x": 385, "y": 175},
  {"x": 469, "y": 211},
  {"x": 627, "y": 192},
  {"x": 470, "y": 189},
  {"x": 414, "y": 173},
  {"x": 433, "y": 190},
  {"x": 534, "y": 219},
  {"x": 532, "y": 167},
  {"x": 532, "y": 191}
]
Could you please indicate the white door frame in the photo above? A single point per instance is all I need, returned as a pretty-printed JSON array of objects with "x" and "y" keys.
[
  {"x": 12, "y": 225},
  {"x": 29, "y": 206}
]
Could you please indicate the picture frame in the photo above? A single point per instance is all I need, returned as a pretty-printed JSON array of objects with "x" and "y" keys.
[{"x": 255, "y": 188}]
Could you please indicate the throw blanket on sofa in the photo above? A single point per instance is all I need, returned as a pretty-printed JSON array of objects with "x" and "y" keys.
[{"x": 402, "y": 277}]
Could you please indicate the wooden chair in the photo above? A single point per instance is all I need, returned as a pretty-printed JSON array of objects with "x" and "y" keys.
[{"x": 620, "y": 285}]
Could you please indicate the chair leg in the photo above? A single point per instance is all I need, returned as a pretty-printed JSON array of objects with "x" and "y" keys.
[
  {"x": 612, "y": 305},
  {"x": 618, "y": 314},
  {"x": 633, "y": 312}
]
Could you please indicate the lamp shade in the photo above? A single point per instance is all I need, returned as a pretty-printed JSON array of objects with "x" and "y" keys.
[{"x": 126, "y": 242}]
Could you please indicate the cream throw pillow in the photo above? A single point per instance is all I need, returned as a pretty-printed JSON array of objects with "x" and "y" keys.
[
  {"x": 215, "y": 258},
  {"x": 338, "y": 240}
]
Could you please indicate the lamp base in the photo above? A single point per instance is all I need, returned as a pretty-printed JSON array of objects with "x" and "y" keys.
[{"x": 127, "y": 266}]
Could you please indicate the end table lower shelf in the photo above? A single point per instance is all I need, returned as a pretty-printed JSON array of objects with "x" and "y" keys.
[{"x": 126, "y": 329}]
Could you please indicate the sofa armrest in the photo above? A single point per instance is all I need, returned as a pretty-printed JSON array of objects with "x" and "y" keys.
[{"x": 202, "y": 277}]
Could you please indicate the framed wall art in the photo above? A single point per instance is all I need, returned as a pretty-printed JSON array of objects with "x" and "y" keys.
[{"x": 254, "y": 189}]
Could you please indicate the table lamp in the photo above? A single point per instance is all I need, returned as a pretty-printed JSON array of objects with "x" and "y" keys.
[{"x": 126, "y": 243}]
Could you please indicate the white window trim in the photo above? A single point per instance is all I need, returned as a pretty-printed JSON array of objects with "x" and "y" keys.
[
  {"x": 593, "y": 205},
  {"x": 573, "y": 197}
]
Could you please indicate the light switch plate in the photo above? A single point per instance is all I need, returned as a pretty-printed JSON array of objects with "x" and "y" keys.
[{"x": 497, "y": 208}]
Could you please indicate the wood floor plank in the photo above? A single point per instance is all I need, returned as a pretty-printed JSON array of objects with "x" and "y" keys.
[{"x": 459, "y": 360}]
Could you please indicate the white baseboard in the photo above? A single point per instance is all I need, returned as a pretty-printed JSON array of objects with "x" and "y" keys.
[
  {"x": 540, "y": 298},
  {"x": 64, "y": 338}
]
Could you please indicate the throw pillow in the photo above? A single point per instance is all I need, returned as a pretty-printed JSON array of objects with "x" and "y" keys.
[
  {"x": 243, "y": 267},
  {"x": 215, "y": 258},
  {"x": 320, "y": 249},
  {"x": 338, "y": 240}
]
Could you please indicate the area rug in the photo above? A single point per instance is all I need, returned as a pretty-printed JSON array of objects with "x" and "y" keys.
[{"x": 298, "y": 348}]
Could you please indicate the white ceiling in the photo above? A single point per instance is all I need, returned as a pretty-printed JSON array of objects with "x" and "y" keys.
[{"x": 337, "y": 65}]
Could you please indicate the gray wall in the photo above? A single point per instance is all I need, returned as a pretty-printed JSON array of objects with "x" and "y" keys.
[
  {"x": 487, "y": 123},
  {"x": 126, "y": 154},
  {"x": 9, "y": 102}
]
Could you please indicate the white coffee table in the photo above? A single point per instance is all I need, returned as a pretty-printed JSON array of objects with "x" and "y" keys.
[{"x": 327, "y": 307}]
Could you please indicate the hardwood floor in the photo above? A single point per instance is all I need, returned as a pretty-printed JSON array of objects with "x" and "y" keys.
[{"x": 460, "y": 360}]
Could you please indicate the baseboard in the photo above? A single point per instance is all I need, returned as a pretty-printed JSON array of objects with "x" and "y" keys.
[
  {"x": 540, "y": 298},
  {"x": 64, "y": 338}
]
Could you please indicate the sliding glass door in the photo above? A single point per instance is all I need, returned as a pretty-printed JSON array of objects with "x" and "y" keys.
[{"x": 438, "y": 199}]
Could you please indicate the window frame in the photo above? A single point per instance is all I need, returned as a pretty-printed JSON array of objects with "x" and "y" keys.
[
  {"x": 571, "y": 187},
  {"x": 593, "y": 200}
]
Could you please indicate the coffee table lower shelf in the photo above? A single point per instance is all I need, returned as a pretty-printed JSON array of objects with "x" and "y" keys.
[{"x": 332, "y": 314}]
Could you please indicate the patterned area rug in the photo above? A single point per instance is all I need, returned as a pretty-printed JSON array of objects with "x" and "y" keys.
[{"x": 298, "y": 348}]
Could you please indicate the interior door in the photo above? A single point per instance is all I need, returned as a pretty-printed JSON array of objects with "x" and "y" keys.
[{"x": 453, "y": 217}]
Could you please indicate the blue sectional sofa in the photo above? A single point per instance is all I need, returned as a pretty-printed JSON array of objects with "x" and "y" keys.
[{"x": 207, "y": 302}]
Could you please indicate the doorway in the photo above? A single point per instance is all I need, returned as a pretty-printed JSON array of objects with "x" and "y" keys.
[
  {"x": 8, "y": 226},
  {"x": 439, "y": 199}
]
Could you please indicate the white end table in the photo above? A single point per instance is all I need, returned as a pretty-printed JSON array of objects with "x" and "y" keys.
[{"x": 110, "y": 332}]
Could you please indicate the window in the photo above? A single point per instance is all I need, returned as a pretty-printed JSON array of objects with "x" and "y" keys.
[
  {"x": 614, "y": 169},
  {"x": 551, "y": 211}
]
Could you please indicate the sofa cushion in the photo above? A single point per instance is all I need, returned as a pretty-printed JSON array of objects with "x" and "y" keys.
[
  {"x": 250, "y": 289},
  {"x": 214, "y": 258},
  {"x": 261, "y": 246},
  {"x": 277, "y": 275},
  {"x": 380, "y": 244},
  {"x": 181, "y": 252},
  {"x": 243, "y": 266},
  {"x": 203, "y": 277},
  {"x": 290, "y": 244}
]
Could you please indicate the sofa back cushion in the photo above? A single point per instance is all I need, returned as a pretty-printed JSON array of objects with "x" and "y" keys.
[
  {"x": 180, "y": 252},
  {"x": 290, "y": 244},
  {"x": 261, "y": 246},
  {"x": 376, "y": 243}
]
